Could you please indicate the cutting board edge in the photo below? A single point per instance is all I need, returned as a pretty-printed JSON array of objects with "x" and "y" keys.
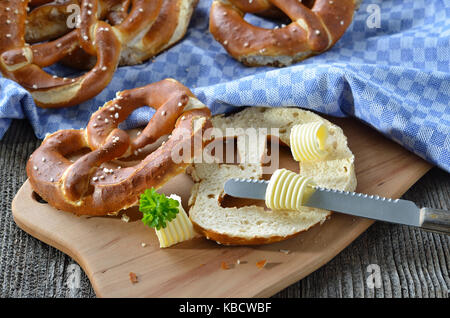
[
  {"x": 22, "y": 224},
  {"x": 297, "y": 276}
]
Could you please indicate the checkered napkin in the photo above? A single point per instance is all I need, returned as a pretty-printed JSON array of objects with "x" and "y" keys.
[{"x": 393, "y": 73}]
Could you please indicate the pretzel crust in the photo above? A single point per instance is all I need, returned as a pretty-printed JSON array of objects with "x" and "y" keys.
[
  {"x": 312, "y": 31},
  {"x": 84, "y": 187}
]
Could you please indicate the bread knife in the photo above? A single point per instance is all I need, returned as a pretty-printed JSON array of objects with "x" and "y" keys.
[{"x": 363, "y": 205}]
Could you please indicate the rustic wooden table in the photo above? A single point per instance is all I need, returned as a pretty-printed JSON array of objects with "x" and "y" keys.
[{"x": 411, "y": 262}]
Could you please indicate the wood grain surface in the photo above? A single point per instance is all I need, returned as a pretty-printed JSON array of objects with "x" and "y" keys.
[{"x": 108, "y": 249}]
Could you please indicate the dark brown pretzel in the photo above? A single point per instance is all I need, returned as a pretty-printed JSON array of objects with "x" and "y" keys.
[
  {"x": 311, "y": 31},
  {"x": 49, "y": 20},
  {"x": 122, "y": 38},
  {"x": 23, "y": 63},
  {"x": 168, "y": 28},
  {"x": 84, "y": 186}
]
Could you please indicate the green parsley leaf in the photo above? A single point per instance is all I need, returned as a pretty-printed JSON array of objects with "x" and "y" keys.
[{"x": 157, "y": 209}]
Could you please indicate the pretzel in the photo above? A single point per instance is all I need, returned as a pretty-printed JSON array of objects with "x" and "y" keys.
[
  {"x": 101, "y": 181},
  {"x": 168, "y": 28},
  {"x": 312, "y": 30},
  {"x": 23, "y": 63},
  {"x": 48, "y": 19},
  {"x": 124, "y": 39}
]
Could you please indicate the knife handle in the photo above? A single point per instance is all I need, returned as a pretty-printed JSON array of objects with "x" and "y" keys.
[{"x": 435, "y": 220}]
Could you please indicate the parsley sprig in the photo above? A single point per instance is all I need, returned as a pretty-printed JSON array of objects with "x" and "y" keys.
[{"x": 157, "y": 209}]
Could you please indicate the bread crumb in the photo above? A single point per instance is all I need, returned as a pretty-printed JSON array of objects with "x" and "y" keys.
[
  {"x": 285, "y": 251},
  {"x": 143, "y": 244},
  {"x": 125, "y": 218},
  {"x": 133, "y": 278},
  {"x": 238, "y": 261},
  {"x": 261, "y": 263},
  {"x": 224, "y": 265}
]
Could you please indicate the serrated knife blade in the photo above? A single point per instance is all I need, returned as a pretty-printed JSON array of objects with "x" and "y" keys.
[{"x": 358, "y": 204}]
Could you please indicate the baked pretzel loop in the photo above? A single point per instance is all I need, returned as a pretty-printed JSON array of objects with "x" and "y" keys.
[
  {"x": 110, "y": 176},
  {"x": 312, "y": 30},
  {"x": 23, "y": 63},
  {"x": 109, "y": 33},
  {"x": 138, "y": 21},
  {"x": 158, "y": 35},
  {"x": 48, "y": 21},
  {"x": 52, "y": 19}
]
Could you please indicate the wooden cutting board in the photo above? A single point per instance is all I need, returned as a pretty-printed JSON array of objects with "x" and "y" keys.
[{"x": 108, "y": 249}]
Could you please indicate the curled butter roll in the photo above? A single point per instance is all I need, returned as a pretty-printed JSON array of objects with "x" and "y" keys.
[
  {"x": 288, "y": 190},
  {"x": 308, "y": 141},
  {"x": 178, "y": 230}
]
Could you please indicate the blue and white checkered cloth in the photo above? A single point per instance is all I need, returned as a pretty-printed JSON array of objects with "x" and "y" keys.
[{"x": 395, "y": 78}]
